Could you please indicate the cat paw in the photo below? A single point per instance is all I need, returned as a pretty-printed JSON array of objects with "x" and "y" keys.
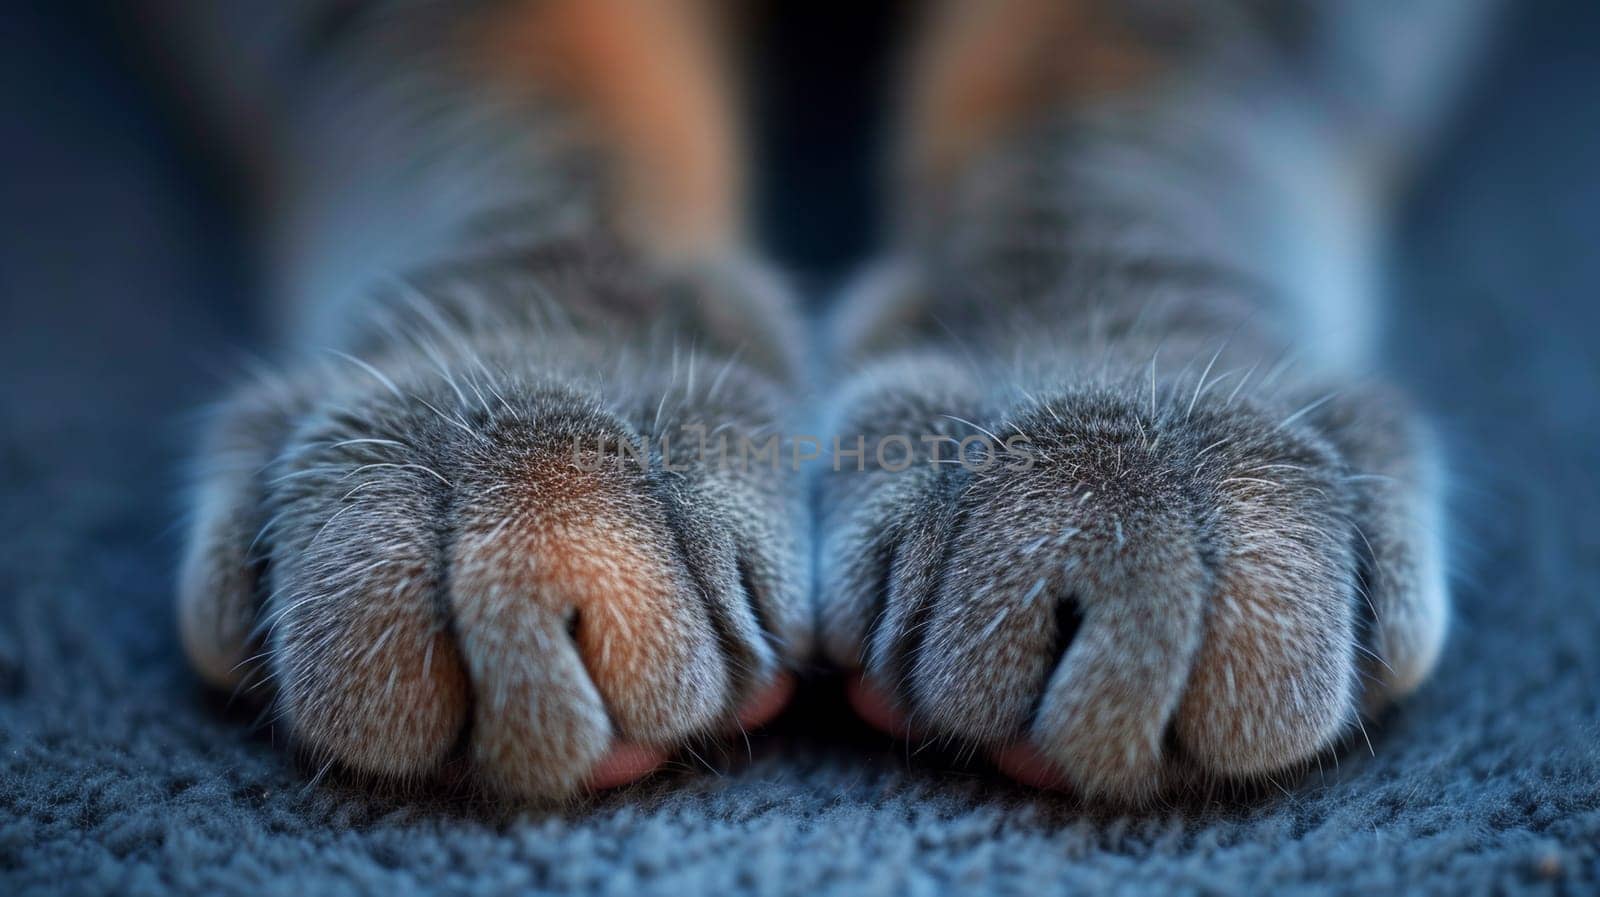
[
  {"x": 421, "y": 564},
  {"x": 1115, "y": 596}
]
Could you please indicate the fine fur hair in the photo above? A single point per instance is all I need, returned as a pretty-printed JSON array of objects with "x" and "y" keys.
[
  {"x": 1148, "y": 269},
  {"x": 1149, "y": 260},
  {"x": 411, "y": 536}
]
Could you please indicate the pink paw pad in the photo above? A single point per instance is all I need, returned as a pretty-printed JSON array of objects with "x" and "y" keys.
[
  {"x": 626, "y": 763},
  {"x": 1021, "y": 762}
]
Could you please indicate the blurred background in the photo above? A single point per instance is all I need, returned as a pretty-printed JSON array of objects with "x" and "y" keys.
[{"x": 124, "y": 253}]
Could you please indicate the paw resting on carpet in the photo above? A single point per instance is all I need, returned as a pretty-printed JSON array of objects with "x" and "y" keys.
[
  {"x": 421, "y": 562},
  {"x": 1141, "y": 591}
]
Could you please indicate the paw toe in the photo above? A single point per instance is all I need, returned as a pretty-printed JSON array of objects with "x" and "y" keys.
[{"x": 581, "y": 625}]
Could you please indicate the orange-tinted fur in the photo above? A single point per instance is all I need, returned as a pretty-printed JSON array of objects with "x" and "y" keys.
[
  {"x": 984, "y": 66},
  {"x": 647, "y": 78}
]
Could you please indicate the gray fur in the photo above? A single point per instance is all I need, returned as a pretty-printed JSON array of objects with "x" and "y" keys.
[
  {"x": 123, "y": 778},
  {"x": 387, "y": 525},
  {"x": 1227, "y": 545},
  {"x": 1217, "y": 558}
]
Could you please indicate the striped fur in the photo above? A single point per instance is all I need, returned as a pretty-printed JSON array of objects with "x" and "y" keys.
[
  {"x": 1151, "y": 266},
  {"x": 505, "y": 234}
]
